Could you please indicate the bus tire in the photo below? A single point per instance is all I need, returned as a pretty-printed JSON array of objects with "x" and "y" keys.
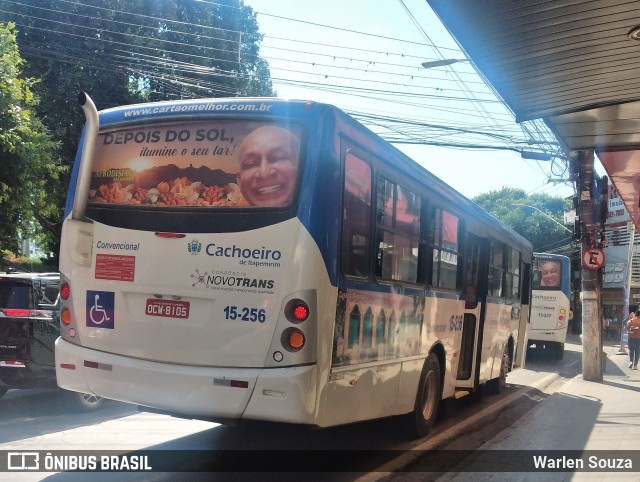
[
  {"x": 86, "y": 402},
  {"x": 497, "y": 385},
  {"x": 428, "y": 397}
]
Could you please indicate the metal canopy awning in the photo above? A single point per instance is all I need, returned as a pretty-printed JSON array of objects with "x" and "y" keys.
[{"x": 572, "y": 63}]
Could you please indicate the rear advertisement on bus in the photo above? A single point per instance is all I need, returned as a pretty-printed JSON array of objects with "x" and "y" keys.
[{"x": 203, "y": 164}]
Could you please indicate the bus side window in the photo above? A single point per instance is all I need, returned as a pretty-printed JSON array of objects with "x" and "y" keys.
[
  {"x": 398, "y": 232},
  {"x": 445, "y": 248},
  {"x": 526, "y": 287},
  {"x": 356, "y": 222},
  {"x": 513, "y": 274},
  {"x": 497, "y": 270}
]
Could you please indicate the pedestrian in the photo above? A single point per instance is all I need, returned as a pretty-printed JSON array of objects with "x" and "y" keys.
[
  {"x": 633, "y": 326},
  {"x": 607, "y": 328}
]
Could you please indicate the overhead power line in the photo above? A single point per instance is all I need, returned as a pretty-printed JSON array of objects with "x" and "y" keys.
[{"x": 464, "y": 94}]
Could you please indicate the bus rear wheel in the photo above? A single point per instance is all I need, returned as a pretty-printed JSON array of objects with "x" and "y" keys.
[
  {"x": 497, "y": 385},
  {"x": 88, "y": 402},
  {"x": 84, "y": 402},
  {"x": 428, "y": 397}
]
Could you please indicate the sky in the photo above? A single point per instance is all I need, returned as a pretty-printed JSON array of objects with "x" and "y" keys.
[{"x": 364, "y": 57}]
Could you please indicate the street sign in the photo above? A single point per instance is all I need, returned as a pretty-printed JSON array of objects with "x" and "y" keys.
[{"x": 593, "y": 258}]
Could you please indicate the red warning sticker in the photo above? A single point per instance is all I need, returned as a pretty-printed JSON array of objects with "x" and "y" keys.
[{"x": 115, "y": 267}]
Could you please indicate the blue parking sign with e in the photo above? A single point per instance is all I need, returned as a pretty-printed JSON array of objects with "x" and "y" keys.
[{"x": 100, "y": 309}]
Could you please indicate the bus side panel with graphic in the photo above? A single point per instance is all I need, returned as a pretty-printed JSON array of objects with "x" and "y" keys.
[
  {"x": 550, "y": 302},
  {"x": 231, "y": 259}
]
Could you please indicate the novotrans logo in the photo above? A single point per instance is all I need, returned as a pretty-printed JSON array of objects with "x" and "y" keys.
[{"x": 194, "y": 246}]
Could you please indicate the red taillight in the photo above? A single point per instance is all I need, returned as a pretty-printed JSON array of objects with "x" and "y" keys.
[
  {"x": 65, "y": 291},
  {"x": 301, "y": 312},
  {"x": 12, "y": 363},
  {"x": 297, "y": 311},
  {"x": 16, "y": 313}
]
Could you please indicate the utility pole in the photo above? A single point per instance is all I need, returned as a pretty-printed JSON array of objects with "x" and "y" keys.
[{"x": 592, "y": 353}]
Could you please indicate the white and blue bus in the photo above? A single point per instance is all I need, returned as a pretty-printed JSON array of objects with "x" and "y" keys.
[
  {"x": 230, "y": 259},
  {"x": 550, "y": 302}
]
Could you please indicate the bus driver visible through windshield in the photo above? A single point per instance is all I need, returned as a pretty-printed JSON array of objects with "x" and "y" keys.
[{"x": 268, "y": 166}]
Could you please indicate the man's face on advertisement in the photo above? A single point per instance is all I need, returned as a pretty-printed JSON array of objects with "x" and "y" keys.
[{"x": 268, "y": 166}]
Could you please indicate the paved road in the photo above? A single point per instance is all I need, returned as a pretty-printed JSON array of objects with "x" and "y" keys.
[{"x": 45, "y": 420}]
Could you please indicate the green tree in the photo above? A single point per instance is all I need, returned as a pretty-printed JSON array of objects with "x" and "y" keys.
[
  {"x": 529, "y": 215},
  {"x": 126, "y": 51},
  {"x": 29, "y": 161}
]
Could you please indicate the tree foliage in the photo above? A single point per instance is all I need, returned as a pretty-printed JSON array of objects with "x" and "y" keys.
[
  {"x": 29, "y": 162},
  {"x": 126, "y": 51},
  {"x": 513, "y": 207}
]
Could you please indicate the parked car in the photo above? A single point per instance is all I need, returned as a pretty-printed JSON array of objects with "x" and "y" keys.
[{"x": 29, "y": 327}]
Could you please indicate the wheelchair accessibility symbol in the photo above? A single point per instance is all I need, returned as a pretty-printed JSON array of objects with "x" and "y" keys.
[{"x": 99, "y": 309}]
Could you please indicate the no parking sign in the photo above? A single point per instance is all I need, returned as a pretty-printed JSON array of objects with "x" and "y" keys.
[{"x": 593, "y": 258}]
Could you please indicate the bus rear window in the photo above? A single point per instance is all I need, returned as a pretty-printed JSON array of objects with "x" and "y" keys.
[
  {"x": 547, "y": 273},
  {"x": 197, "y": 165},
  {"x": 15, "y": 295}
]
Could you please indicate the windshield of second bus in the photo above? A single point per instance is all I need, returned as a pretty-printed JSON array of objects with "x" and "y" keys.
[{"x": 203, "y": 164}]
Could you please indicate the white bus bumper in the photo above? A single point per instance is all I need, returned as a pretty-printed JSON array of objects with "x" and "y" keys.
[{"x": 276, "y": 394}]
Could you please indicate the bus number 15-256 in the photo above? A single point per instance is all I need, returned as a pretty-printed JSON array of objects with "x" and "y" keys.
[{"x": 245, "y": 314}]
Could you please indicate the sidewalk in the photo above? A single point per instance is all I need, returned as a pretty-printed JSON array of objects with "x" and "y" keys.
[{"x": 581, "y": 416}]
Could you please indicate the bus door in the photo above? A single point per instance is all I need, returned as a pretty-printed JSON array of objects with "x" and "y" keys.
[{"x": 475, "y": 293}]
